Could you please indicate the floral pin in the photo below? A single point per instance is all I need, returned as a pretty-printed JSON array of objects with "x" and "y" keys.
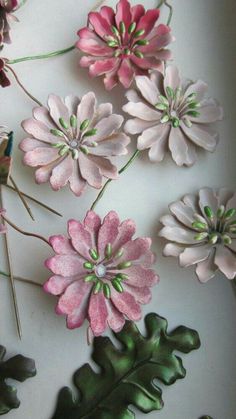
[
  {"x": 171, "y": 114},
  {"x": 101, "y": 273},
  {"x": 123, "y": 43},
  {"x": 202, "y": 231}
]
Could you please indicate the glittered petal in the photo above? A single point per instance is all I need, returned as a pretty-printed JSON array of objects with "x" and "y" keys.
[
  {"x": 207, "y": 198},
  {"x": 134, "y": 249},
  {"x": 81, "y": 298},
  {"x": 73, "y": 297},
  {"x": 40, "y": 156},
  {"x": 123, "y": 14},
  {"x": 115, "y": 319},
  {"x": 178, "y": 235},
  {"x": 61, "y": 245},
  {"x": 126, "y": 304},
  {"x": 150, "y": 136},
  {"x": 58, "y": 110},
  {"x": 148, "y": 21},
  {"x": 148, "y": 89},
  {"x": 226, "y": 261},
  {"x": 178, "y": 146},
  {"x": 98, "y": 314},
  {"x": 172, "y": 78},
  {"x": 61, "y": 173},
  {"x": 80, "y": 238},
  {"x": 72, "y": 103},
  {"x": 42, "y": 114},
  {"x": 90, "y": 172},
  {"x": 142, "y": 111},
  {"x": 57, "y": 284},
  {"x": 142, "y": 295},
  {"x": 200, "y": 137},
  {"x": 65, "y": 265},
  {"x": 207, "y": 269},
  {"x": 126, "y": 230},
  {"x": 92, "y": 223},
  {"x": 193, "y": 255},
  {"x": 138, "y": 276},
  {"x": 29, "y": 144},
  {"x": 108, "y": 231}
]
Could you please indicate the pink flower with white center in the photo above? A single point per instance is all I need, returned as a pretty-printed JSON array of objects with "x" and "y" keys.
[
  {"x": 101, "y": 273},
  {"x": 172, "y": 115},
  {"x": 124, "y": 43},
  {"x": 202, "y": 232},
  {"x": 73, "y": 141},
  {"x": 6, "y": 17},
  {"x": 2, "y": 226}
]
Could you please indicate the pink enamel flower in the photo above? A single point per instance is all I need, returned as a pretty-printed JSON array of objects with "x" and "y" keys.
[
  {"x": 101, "y": 273},
  {"x": 6, "y": 17},
  {"x": 202, "y": 231},
  {"x": 73, "y": 141},
  {"x": 172, "y": 115},
  {"x": 2, "y": 226},
  {"x": 124, "y": 43}
]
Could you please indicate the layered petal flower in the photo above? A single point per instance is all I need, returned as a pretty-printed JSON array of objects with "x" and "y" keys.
[
  {"x": 123, "y": 43},
  {"x": 72, "y": 142},
  {"x": 6, "y": 17},
  {"x": 100, "y": 272},
  {"x": 201, "y": 231},
  {"x": 172, "y": 115}
]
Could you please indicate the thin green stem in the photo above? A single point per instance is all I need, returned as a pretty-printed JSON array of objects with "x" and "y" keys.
[
  {"x": 165, "y": 2},
  {"x": 41, "y": 56},
  {"x": 101, "y": 193},
  {"x": 18, "y": 278}
]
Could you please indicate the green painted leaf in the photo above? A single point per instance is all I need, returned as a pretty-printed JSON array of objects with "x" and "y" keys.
[
  {"x": 17, "y": 368},
  {"x": 127, "y": 375}
]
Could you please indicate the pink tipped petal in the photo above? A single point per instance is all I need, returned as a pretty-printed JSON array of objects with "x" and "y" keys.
[
  {"x": 57, "y": 284},
  {"x": 111, "y": 80},
  {"x": 225, "y": 259},
  {"x": 38, "y": 130},
  {"x": 134, "y": 249},
  {"x": 115, "y": 319},
  {"x": 126, "y": 304},
  {"x": 148, "y": 21},
  {"x": 141, "y": 295},
  {"x": 65, "y": 265},
  {"x": 207, "y": 269},
  {"x": 98, "y": 314},
  {"x": 100, "y": 25},
  {"x": 44, "y": 173},
  {"x": 40, "y": 156},
  {"x": 140, "y": 276},
  {"x": 147, "y": 63},
  {"x": 137, "y": 12},
  {"x": 62, "y": 173},
  {"x": 123, "y": 14},
  {"x": 90, "y": 172},
  {"x": 126, "y": 73},
  {"x": 148, "y": 89},
  {"x": 172, "y": 78},
  {"x": 77, "y": 183},
  {"x": 80, "y": 238},
  {"x": 107, "y": 126},
  {"x": 92, "y": 222},
  {"x": 178, "y": 146},
  {"x": 193, "y": 255},
  {"x": 90, "y": 43},
  {"x": 200, "y": 137},
  {"x": 73, "y": 297},
  {"x": 108, "y": 231},
  {"x": 61, "y": 245}
]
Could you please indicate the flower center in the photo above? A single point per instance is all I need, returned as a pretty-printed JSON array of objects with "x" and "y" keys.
[
  {"x": 126, "y": 41},
  {"x": 176, "y": 107},
  {"x": 100, "y": 271},
  {"x": 74, "y": 140},
  {"x": 216, "y": 228}
]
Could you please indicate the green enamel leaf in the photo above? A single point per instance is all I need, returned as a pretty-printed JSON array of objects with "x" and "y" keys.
[
  {"x": 17, "y": 368},
  {"x": 127, "y": 375}
]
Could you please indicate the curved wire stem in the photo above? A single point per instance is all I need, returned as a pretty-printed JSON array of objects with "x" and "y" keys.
[
  {"x": 22, "y": 198},
  {"x": 170, "y": 7},
  {"x": 23, "y": 87},
  {"x": 19, "y": 278},
  {"x": 41, "y": 56},
  {"x": 101, "y": 193},
  {"x": 25, "y": 233}
]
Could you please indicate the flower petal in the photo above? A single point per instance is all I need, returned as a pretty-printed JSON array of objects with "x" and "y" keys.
[
  {"x": 160, "y": 147},
  {"x": 172, "y": 78},
  {"x": 80, "y": 238},
  {"x": 178, "y": 235},
  {"x": 136, "y": 126},
  {"x": 226, "y": 261},
  {"x": 100, "y": 67},
  {"x": 114, "y": 145},
  {"x": 148, "y": 21},
  {"x": 151, "y": 136},
  {"x": 192, "y": 255},
  {"x": 207, "y": 269},
  {"x": 61, "y": 173},
  {"x": 183, "y": 213},
  {"x": 138, "y": 276},
  {"x": 172, "y": 249},
  {"x": 38, "y": 130},
  {"x": 123, "y": 14},
  {"x": 200, "y": 137},
  {"x": 209, "y": 114},
  {"x": 73, "y": 297},
  {"x": 98, "y": 314},
  {"x": 40, "y": 156},
  {"x": 126, "y": 304},
  {"x": 61, "y": 245},
  {"x": 90, "y": 43},
  {"x": 108, "y": 231},
  {"x": 148, "y": 89},
  {"x": 65, "y": 265},
  {"x": 126, "y": 230},
  {"x": 100, "y": 25},
  {"x": 200, "y": 88},
  {"x": 106, "y": 168},
  {"x": 135, "y": 249},
  {"x": 142, "y": 295}
]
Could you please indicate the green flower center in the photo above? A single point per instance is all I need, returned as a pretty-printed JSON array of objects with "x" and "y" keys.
[
  {"x": 217, "y": 228},
  {"x": 126, "y": 41},
  {"x": 175, "y": 106}
]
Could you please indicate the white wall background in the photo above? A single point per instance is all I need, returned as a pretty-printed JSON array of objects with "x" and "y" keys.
[{"x": 205, "y": 48}]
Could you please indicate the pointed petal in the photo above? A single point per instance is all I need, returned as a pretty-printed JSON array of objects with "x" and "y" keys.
[
  {"x": 98, "y": 314},
  {"x": 108, "y": 231},
  {"x": 207, "y": 269},
  {"x": 80, "y": 238},
  {"x": 126, "y": 304},
  {"x": 61, "y": 173},
  {"x": 192, "y": 255},
  {"x": 226, "y": 261}
]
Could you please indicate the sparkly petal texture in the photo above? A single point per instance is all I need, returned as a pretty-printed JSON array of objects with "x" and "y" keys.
[
  {"x": 73, "y": 141},
  {"x": 6, "y": 17},
  {"x": 202, "y": 232},
  {"x": 2, "y": 226},
  {"x": 170, "y": 114},
  {"x": 101, "y": 273},
  {"x": 122, "y": 44}
]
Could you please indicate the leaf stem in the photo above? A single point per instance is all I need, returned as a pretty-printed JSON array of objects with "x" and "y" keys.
[
  {"x": 18, "y": 278},
  {"x": 25, "y": 233},
  {"x": 41, "y": 56},
  {"x": 21, "y": 196},
  {"x": 22, "y": 87},
  {"x": 36, "y": 201},
  {"x": 101, "y": 193},
  {"x": 170, "y": 7}
]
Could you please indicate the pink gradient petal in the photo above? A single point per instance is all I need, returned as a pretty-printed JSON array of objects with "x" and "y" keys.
[
  {"x": 92, "y": 223},
  {"x": 192, "y": 255},
  {"x": 40, "y": 156},
  {"x": 108, "y": 231},
  {"x": 126, "y": 230},
  {"x": 58, "y": 110},
  {"x": 183, "y": 213},
  {"x": 135, "y": 249},
  {"x": 126, "y": 304},
  {"x": 108, "y": 14},
  {"x": 43, "y": 174},
  {"x": 115, "y": 319},
  {"x": 90, "y": 172},
  {"x": 126, "y": 73},
  {"x": 142, "y": 111},
  {"x": 90, "y": 43},
  {"x": 148, "y": 21},
  {"x": 140, "y": 276},
  {"x": 226, "y": 261},
  {"x": 77, "y": 183},
  {"x": 178, "y": 146},
  {"x": 62, "y": 173},
  {"x": 111, "y": 80},
  {"x": 73, "y": 297},
  {"x": 172, "y": 78},
  {"x": 65, "y": 265},
  {"x": 100, "y": 67},
  {"x": 57, "y": 284},
  {"x": 142, "y": 295},
  {"x": 86, "y": 108},
  {"x": 100, "y": 25},
  {"x": 172, "y": 249},
  {"x": 80, "y": 237},
  {"x": 98, "y": 314},
  {"x": 148, "y": 89},
  {"x": 61, "y": 245},
  {"x": 106, "y": 168},
  {"x": 137, "y": 12},
  {"x": 179, "y": 235}
]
